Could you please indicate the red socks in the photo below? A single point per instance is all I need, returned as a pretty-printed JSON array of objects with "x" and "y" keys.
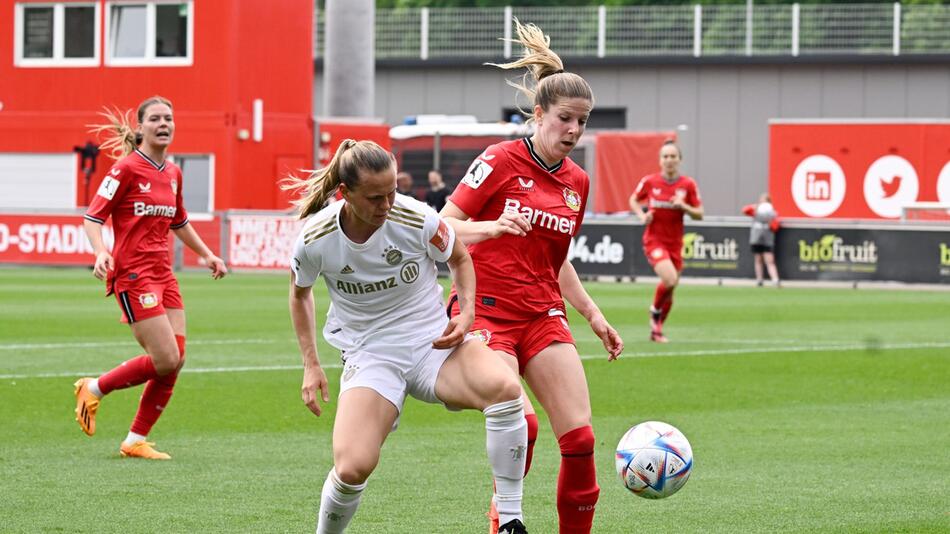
[
  {"x": 532, "y": 420},
  {"x": 663, "y": 300},
  {"x": 155, "y": 397},
  {"x": 130, "y": 373},
  {"x": 577, "y": 489}
]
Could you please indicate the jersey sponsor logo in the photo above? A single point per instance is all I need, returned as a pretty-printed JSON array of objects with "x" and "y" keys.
[
  {"x": 393, "y": 255},
  {"x": 572, "y": 199},
  {"x": 409, "y": 272},
  {"x": 476, "y": 173},
  {"x": 541, "y": 218},
  {"x": 148, "y": 300},
  {"x": 146, "y": 187},
  {"x": 527, "y": 184},
  {"x": 362, "y": 288},
  {"x": 108, "y": 187},
  {"x": 346, "y": 270},
  {"x": 441, "y": 238},
  {"x": 141, "y": 209}
]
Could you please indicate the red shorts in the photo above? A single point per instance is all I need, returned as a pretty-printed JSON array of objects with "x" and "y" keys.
[
  {"x": 146, "y": 295},
  {"x": 522, "y": 339},
  {"x": 657, "y": 251}
]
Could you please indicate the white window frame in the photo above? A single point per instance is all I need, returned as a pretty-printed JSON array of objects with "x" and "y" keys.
[
  {"x": 59, "y": 36},
  {"x": 201, "y": 215},
  {"x": 150, "y": 59}
]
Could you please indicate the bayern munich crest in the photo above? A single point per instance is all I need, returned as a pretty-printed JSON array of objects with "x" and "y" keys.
[
  {"x": 393, "y": 255},
  {"x": 572, "y": 199}
]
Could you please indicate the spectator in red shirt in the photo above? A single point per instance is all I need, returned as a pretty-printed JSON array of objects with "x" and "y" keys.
[
  {"x": 143, "y": 195},
  {"x": 668, "y": 195},
  {"x": 517, "y": 208}
]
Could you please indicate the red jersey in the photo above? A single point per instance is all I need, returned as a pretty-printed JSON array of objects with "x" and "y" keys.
[
  {"x": 517, "y": 277},
  {"x": 144, "y": 200},
  {"x": 658, "y": 193}
]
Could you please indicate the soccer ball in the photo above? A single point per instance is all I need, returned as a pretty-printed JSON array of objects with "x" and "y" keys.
[{"x": 654, "y": 460}]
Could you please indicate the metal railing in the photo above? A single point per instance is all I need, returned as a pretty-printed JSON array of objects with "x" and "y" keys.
[{"x": 681, "y": 30}]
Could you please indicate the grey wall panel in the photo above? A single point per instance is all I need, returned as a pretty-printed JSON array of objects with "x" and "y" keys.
[
  {"x": 726, "y": 106},
  {"x": 712, "y": 160},
  {"x": 842, "y": 91},
  {"x": 799, "y": 92},
  {"x": 759, "y": 100},
  {"x": 678, "y": 104},
  {"x": 928, "y": 93},
  {"x": 881, "y": 86},
  {"x": 638, "y": 90}
]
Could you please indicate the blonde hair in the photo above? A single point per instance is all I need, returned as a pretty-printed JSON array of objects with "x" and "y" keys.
[
  {"x": 545, "y": 81},
  {"x": 351, "y": 158},
  {"x": 122, "y": 139}
]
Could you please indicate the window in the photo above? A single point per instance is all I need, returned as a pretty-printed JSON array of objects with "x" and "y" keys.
[
  {"x": 57, "y": 35},
  {"x": 197, "y": 173},
  {"x": 38, "y": 181},
  {"x": 149, "y": 33}
]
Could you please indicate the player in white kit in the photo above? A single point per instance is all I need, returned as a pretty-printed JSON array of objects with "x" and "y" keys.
[{"x": 377, "y": 252}]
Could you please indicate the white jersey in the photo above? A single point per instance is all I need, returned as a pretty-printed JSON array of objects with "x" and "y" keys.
[{"x": 384, "y": 291}]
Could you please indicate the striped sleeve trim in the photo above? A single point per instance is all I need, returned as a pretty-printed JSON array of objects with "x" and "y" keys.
[
  {"x": 408, "y": 214},
  {"x": 177, "y": 226},
  {"x": 414, "y": 223},
  {"x": 94, "y": 219},
  {"x": 319, "y": 232}
]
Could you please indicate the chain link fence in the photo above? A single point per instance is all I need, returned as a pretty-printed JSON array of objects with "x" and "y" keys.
[{"x": 681, "y": 30}]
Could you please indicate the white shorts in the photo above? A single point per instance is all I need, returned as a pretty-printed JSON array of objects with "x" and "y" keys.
[{"x": 394, "y": 371}]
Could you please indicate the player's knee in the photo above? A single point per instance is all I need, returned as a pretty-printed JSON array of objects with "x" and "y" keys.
[
  {"x": 166, "y": 362},
  {"x": 507, "y": 389},
  {"x": 353, "y": 472}
]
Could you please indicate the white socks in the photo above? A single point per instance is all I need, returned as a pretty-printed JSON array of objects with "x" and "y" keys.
[
  {"x": 506, "y": 439},
  {"x": 93, "y": 386},
  {"x": 133, "y": 437},
  {"x": 338, "y": 503}
]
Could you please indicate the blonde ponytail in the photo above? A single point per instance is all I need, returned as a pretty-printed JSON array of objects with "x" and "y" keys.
[
  {"x": 122, "y": 139},
  {"x": 545, "y": 81}
]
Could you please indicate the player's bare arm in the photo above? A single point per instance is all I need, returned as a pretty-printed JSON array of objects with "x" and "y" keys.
[
  {"x": 463, "y": 274},
  {"x": 577, "y": 296},
  {"x": 104, "y": 262},
  {"x": 302, "y": 315},
  {"x": 475, "y": 231},
  {"x": 645, "y": 216},
  {"x": 190, "y": 238}
]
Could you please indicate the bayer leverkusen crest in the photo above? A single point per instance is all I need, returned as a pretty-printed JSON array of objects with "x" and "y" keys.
[
  {"x": 174, "y": 187},
  {"x": 572, "y": 199}
]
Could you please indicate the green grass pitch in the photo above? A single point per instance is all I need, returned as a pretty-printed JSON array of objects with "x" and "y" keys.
[{"x": 809, "y": 410}]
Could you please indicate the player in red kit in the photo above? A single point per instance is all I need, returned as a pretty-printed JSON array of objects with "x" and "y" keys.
[
  {"x": 667, "y": 195},
  {"x": 143, "y": 195},
  {"x": 517, "y": 208}
]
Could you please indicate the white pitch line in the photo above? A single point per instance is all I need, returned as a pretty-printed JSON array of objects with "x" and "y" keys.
[
  {"x": 99, "y": 344},
  {"x": 626, "y": 355}
]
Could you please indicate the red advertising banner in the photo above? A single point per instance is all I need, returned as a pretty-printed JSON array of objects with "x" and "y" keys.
[
  {"x": 860, "y": 170},
  {"x": 261, "y": 241},
  {"x": 46, "y": 240},
  {"x": 622, "y": 159}
]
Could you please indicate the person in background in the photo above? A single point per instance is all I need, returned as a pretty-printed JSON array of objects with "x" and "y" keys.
[
  {"x": 668, "y": 195},
  {"x": 765, "y": 224},
  {"x": 143, "y": 195},
  {"x": 438, "y": 192},
  {"x": 404, "y": 184},
  {"x": 517, "y": 208},
  {"x": 377, "y": 252}
]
